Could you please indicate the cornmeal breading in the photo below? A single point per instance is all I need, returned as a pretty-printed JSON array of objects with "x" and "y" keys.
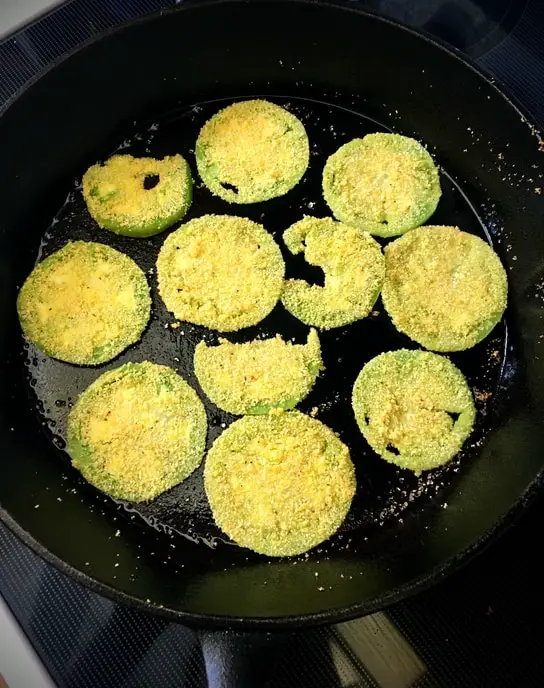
[
  {"x": 354, "y": 271},
  {"x": 84, "y": 304},
  {"x": 258, "y": 376},
  {"x": 222, "y": 272},
  {"x": 384, "y": 184},
  {"x": 279, "y": 484},
  {"x": 119, "y": 200},
  {"x": 446, "y": 289},
  {"x": 414, "y": 408},
  {"x": 252, "y": 151},
  {"x": 137, "y": 431}
]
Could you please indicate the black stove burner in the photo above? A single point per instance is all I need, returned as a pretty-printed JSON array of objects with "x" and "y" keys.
[{"x": 473, "y": 26}]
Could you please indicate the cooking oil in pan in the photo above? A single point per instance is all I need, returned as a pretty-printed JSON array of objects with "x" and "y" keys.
[{"x": 385, "y": 494}]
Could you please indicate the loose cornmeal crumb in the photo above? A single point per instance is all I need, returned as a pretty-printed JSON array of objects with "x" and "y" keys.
[
  {"x": 258, "y": 376},
  {"x": 118, "y": 200},
  {"x": 444, "y": 288},
  {"x": 279, "y": 484},
  {"x": 384, "y": 184},
  {"x": 84, "y": 304},
  {"x": 137, "y": 431},
  {"x": 354, "y": 271},
  {"x": 252, "y": 151},
  {"x": 219, "y": 271},
  {"x": 414, "y": 408}
]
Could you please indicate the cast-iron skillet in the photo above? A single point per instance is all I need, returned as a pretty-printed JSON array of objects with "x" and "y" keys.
[{"x": 345, "y": 73}]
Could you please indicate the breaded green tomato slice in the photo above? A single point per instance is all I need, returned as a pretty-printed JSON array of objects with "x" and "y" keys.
[
  {"x": 84, "y": 304},
  {"x": 384, "y": 184},
  {"x": 446, "y": 289},
  {"x": 137, "y": 431},
  {"x": 138, "y": 197},
  {"x": 252, "y": 151},
  {"x": 222, "y": 272},
  {"x": 279, "y": 484},
  {"x": 414, "y": 408},
  {"x": 354, "y": 271},
  {"x": 257, "y": 376}
]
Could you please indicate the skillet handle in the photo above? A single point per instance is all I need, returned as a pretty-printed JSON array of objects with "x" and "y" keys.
[
  {"x": 251, "y": 660},
  {"x": 239, "y": 660}
]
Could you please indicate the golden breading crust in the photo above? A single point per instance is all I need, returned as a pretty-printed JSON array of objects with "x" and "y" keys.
[
  {"x": 384, "y": 184},
  {"x": 84, "y": 304},
  {"x": 414, "y": 408},
  {"x": 222, "y": 272},
  {"x": 257, "y": 376},
  {"x": 137, "y": 431},
  {"x": 119, "y": 199},
  {"x": 279, "y": 484},
  {"x": 252, "y": 151},
  {"x": 446, "y": 289},
  {"x": 354, "y": 271}
]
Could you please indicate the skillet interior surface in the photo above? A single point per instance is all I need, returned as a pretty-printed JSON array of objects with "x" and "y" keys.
[
  {"x": 384, "y": 492},
  {"x": 400, "y": 528}
]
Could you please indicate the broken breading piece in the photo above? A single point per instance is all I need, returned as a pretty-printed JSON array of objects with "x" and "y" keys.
[
  {"x": 414, "y": 408},
  {"x": 384, "y": 184},
  {"x": 354, "y": 271},
  {"x": 219, "y": 271},
  {"x": 252, "y": 151},
  {"x": 84, "y": 304},
  {"x": 279, "y": 484},
  {"x": 446, "y": 289},
  {"x": 258, "y": 376},
  {"x": 137, "y": 431},
  {"x": 138, "y": 197}
]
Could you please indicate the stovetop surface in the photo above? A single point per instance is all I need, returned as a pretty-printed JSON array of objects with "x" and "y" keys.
[{"x": 481, "y": 627}]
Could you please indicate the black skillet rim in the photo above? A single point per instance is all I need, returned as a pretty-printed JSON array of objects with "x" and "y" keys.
[{"x": 334, "y": 615}]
